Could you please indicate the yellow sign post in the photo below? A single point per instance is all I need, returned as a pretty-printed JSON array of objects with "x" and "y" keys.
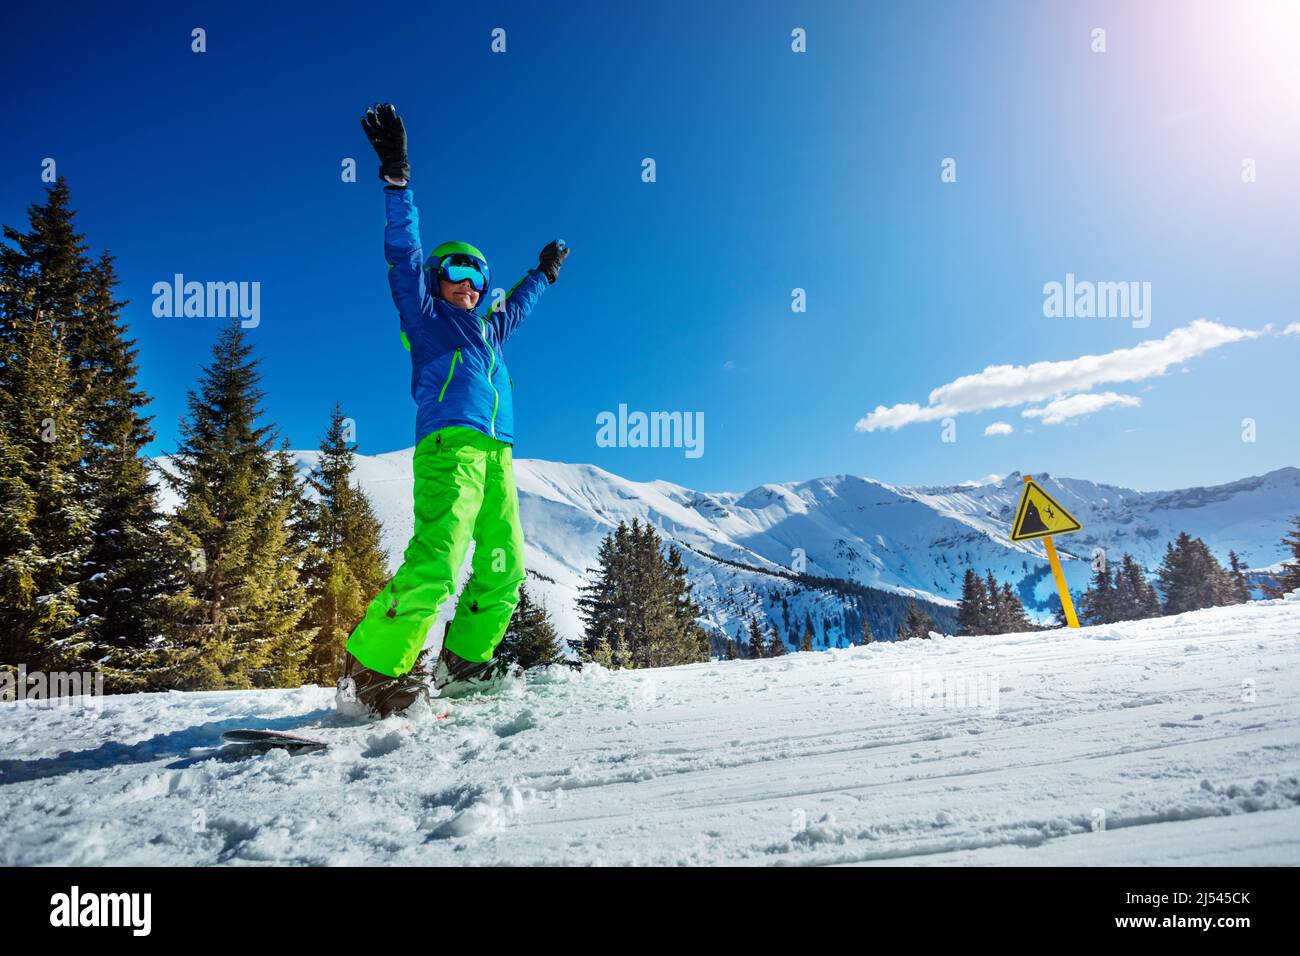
[{"x": 1039, "y": 517}]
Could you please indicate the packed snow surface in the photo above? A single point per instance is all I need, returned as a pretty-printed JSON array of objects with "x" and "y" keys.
[{"x": 1171, "y": 741}]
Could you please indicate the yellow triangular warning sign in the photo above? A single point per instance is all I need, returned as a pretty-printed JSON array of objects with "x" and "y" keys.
[{"x": 1039, "y": 515}]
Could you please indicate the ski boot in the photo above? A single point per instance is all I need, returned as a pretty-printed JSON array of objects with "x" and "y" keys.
[
  {"x": 453, "y": 676},
  {"x": 378, "y": 694}
]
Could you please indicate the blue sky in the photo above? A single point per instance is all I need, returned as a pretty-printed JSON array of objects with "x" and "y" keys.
[{"x": 775, "y": 170}]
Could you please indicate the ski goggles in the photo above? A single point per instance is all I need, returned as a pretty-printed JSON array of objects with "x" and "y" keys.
[{"x": 458, "y": 267}]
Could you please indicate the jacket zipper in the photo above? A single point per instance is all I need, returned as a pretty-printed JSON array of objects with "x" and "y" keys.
[
  {"x": 451, "y": 371},
  {"x": 496, "y": 397}
]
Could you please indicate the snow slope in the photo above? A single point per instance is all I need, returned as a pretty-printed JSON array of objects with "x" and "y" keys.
[{"x": 1170, "y": 741}]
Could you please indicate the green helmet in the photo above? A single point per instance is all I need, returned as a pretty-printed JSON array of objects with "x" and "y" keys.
[
  {"x": 448, "y": 248},
  {"x": 435, "y": 258}
]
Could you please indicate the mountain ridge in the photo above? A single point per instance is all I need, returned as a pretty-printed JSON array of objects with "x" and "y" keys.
[{"x": 907, "y": 541}]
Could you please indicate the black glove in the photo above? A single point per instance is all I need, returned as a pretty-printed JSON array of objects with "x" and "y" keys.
[
  {"x": 552, "y": 257},
  {"x": 387, "y": 135}
]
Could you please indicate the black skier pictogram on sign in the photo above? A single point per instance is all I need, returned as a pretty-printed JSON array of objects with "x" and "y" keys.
[{"x": 1039, "y": 515}]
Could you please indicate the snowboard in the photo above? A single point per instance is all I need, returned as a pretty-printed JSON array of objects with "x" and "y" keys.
[{"x": 273, "y": 739}]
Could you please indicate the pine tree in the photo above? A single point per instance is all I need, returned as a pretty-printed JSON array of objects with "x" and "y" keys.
[
  {"x": 127, "y": 568},
  {"x": 50, "y": 288},
  {"x": 973, "y": 609},
  {"x": 621, "y": 651},
  {"x": 229, "y": 616},
  {"x": 692, "y": 640},
  {"x": 1135, "y": 598},
  {"x": 918, "y": 624},
  {"x": 776, "y": 647},
  {"x": 1148, "y": 599},
  {"x": 867, "y": 636},
  {"x": 345, "y": 564},
  {"x": 1100, "y": 603},
  {"x": 46, "y": 520},
  {"x": 1171, "y": 575},
  {"x": 1221, "y": 584},
  {"x": 1240, "y": 590},
  {"x": 757, "y": 646},
  {"x": 44, "y": 538},
  {"x": 729, "y": 652},
  {"x": 530, "y": 639},
  {"x": 1123, "y": 598},
  {"x": 993, "y": 612},
  {"x": 602, "y": 654},
  {"x": 641, "y": 596},
  {"x": 1191, "y": 578},
  {"x": 987, "y": 607},
  {"x": 1014, "y": 619},
  {"x": 601, "y": 604},
  {"x": 1289, "y": 578},
  {"x": 281, "y": 596},
  {"x": 806, "y": 642}
]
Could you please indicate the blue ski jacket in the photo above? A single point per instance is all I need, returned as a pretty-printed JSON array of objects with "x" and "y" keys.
[{"x": 458, "y": 374}]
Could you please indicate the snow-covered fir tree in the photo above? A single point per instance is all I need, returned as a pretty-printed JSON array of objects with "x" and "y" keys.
[
  {"x": 345, "y": 564},
  {"x": 46, "y": 519},
  {"x": 1190, "y": 577},
  {"x": 530, "y": 639},
  {"x": 973, "y": 609},
  {"x": 1135, "y": 598},
  {"x": 640, "y": 599},
  {"x": 776, "y": 646},
  {"x": 228, "y": 617},
  {"x": 1099, "y": 604},
  {"x": 757, "y": 646},
  {"x": 1289, "y": 578},
  {"x": 918, "y": 624}
]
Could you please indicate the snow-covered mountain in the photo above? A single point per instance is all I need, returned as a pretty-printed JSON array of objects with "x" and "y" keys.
[
  {"x": 910, "y": 541},
  {"x": 742, "y": 548}
]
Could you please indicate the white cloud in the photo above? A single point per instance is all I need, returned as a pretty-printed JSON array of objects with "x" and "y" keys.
[
  {"x": 1292, "y": 329},
  {"x": 999, "y": 428},
  {"x": 1053, "y": 413},
  {"x": 1005, "y": 386}
]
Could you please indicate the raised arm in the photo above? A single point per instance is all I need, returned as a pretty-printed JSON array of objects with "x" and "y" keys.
[
  {"x": 524, "y": 294},
  {"x": 405, "y": 261},
  {"x": 387, "y": 134}
]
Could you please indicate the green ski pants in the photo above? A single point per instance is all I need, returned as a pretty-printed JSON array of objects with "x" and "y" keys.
[{"x": 464, "y": 490}]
